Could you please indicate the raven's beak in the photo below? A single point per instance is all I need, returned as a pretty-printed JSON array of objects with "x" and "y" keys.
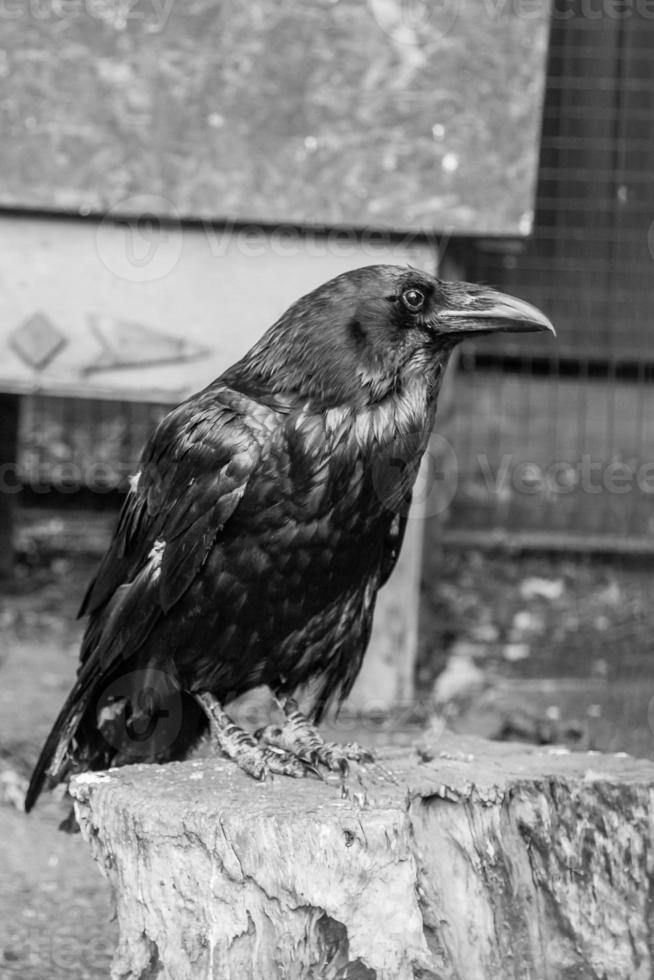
[{"x": 478, "y": 310}]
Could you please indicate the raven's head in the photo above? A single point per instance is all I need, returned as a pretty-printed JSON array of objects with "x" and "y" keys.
[{"x": 367, "y": 333}]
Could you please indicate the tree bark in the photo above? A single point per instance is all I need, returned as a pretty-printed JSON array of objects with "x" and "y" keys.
[{"x": 483, "y": 860}]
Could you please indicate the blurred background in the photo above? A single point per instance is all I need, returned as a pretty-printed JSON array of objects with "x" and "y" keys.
[{"x": 171, "y": 178}]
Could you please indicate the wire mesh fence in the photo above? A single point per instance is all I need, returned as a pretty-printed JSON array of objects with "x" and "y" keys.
[
  {"x": 554, "y": 453},
  {"x": 560, "y": 439},
  {"x": 71, "y": 444}
]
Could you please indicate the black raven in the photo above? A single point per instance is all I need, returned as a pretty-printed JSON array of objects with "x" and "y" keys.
[{"x": 268, "y": 511}]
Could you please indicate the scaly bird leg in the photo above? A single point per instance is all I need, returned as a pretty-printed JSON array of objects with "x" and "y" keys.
[
  {"x": 253, "y": 757},
  {"x": 300, "y": 738}
]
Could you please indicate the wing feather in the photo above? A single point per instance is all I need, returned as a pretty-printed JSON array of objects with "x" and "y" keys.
[{"x": 194, "y": 473}]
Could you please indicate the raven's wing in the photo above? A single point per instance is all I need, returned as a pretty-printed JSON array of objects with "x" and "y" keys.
[
  {"x": 193, "y": 474},
  {"x": 195, "y": 470},
  {"x": 393, "y": 545}
]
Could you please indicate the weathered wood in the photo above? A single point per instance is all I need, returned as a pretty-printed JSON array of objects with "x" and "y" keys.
[
  {"x": 482, "y": 861},
  {"x": 390, "y": 113},
  {"x": 210, "y": 293},
  {"x": 9, "y": 416}
]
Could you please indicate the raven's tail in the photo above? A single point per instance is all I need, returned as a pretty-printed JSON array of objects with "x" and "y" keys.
[{"x": 54, "y": 760}]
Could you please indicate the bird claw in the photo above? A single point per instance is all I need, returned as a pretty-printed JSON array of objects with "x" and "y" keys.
[
  {"x": 282, "y": 763},
  {"x": 262, "y": 762},
  {"x": 299, "y": 738},
  {"x": 282, "y": 759},
  {"x": 294, "y": 749},
  {"x": 256, "y": 757},
  {"x": 337, "y": 757}
]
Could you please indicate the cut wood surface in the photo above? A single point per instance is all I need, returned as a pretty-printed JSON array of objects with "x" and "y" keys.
[{"x": 481, "y": 860}]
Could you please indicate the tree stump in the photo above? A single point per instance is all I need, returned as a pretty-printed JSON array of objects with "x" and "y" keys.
[{"x": 483, "y": 860}]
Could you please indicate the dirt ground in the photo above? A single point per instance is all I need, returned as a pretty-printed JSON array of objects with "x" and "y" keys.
[
  {"x": 55, "y": 909},
  {"x": 542, "y": 648},
  {"x": 539, "y": 648}
]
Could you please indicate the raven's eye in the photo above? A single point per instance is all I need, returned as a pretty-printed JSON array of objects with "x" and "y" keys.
[{"x": 413, "y": 299}]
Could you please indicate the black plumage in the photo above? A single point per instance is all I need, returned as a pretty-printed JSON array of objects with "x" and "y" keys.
[{"x": 268, "y": 511}]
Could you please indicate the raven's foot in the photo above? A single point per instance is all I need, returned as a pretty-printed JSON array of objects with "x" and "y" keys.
[
  {"x": 298, "y": 737},
  {"x": 253, "y": 757}
]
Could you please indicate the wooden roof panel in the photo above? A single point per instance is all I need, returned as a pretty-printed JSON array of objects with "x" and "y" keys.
[{"x": 391, "y": 113}]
